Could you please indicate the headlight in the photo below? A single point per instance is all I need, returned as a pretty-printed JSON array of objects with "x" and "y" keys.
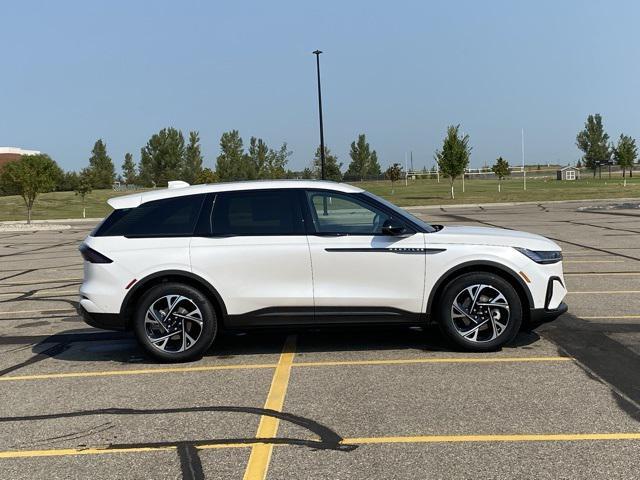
[{"x": 541, "y": 257}]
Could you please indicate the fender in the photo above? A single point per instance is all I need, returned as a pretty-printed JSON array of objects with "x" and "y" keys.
[
  {"x": 138, "y": 288},
  {"x": 469, "y": 266}
]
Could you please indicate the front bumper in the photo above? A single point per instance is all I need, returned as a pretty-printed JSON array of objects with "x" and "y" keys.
[
  {"x": 543, "y": 315},
  {"x": 106, "y": 321}
]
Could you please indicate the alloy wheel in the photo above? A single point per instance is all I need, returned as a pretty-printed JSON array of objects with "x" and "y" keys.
[
  {"x": 173, "y": 323},
  {"x": 480, "y": 313}
]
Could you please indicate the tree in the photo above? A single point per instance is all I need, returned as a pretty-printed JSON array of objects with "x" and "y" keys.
[
  {"x": 192, "y": 159},
  {"x": 331, "y": 166},
  {"x": 625, "y": 153},
  {"x": 232, "y": 163},
  {"x": 393, "y": 173},
  {"x": 453, "y": 159},
  {"x": 162, "y": 158},
  {"x": 206, "y": 175},
  {"x": 101, "y": 167},
  {"x": 579, "y": 164},
  {"x": 501, "y": 170},
  {"x": 84, "y": 187},
  {"x": 129, "y": 169},
  {"x": 276, "y": 162},
  {"x": 594, "y": 142},
  {"x": 258, "y": 154},
  {"x": 68, "y": 182},
  {"x": 374, "y": 165},
  {"x": 363, "y": 161},
  {"x": 29, "y": 176},
  {"x": 307, "y": 173}
]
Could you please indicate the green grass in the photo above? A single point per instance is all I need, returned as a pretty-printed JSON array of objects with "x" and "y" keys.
[
  {"x": 58, "y": 205},
  {"x": 418, "y": 192},
  {"x": 430, "y": 192}
]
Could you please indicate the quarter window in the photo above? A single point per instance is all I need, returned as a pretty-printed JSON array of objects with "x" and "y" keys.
[
  {"x": 257, "y": 213},
  {"x": 169, "y": 217},
  {"x": 343, "y": 214}
]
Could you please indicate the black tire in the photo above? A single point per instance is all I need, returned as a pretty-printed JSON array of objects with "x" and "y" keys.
[
  {"x": 207, "y": 331},
  {"x": 454, "y": 328}
]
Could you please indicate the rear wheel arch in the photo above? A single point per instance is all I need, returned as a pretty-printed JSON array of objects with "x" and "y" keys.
[
  {"x": 478, "y": 267},
  {"x": 175, "y": 276}
]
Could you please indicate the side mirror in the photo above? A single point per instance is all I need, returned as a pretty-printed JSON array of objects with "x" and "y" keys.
[{"x": 392, "y": 227}]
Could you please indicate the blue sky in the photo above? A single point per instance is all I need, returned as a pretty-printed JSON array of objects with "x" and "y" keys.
[{"x": 75, "y": 71}]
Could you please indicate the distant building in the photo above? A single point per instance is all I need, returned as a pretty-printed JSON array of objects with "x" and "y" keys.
[
  {"x": 8, "y": 154},
  {"x": 568, "y": 173}
]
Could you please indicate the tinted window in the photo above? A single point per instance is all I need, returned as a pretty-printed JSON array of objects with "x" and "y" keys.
[
  {"x": 161, "y": 218},
  {"x": 339, "y": 213},
  {"x": 257, "y": 213}
]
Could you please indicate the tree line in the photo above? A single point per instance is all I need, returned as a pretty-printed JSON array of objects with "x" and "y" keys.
[{"x": 168, "y": 156}]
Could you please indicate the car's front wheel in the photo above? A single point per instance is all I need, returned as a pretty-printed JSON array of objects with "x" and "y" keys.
[
  {"x": 175, "y": 322},
  {"x": 480, "y": 311}
]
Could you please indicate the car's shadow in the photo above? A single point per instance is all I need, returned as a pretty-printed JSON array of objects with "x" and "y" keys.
[{"x": 121, "y": 347}]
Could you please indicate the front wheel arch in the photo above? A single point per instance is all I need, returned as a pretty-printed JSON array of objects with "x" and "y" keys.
[{"x": 481, "y": 267}]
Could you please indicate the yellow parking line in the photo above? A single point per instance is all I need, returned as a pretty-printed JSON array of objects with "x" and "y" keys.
[
  {"x": 594, "y": 292},
  {"x": 602, "y": 274},
  {"x": 208, "y": 368},
  {"x": 42, "y": 293},
  {"x": 146, "y": 371},
  {"x": 555, "y": 437},
  {"x": 63, "y": 452},
  {"x": 41, "y": 310},
  {"x": 261, "y": 454},
  {"x": 593, "y": 261},
  {"x": 433, "y": 360},
  {"x": 35, "y": 282}
]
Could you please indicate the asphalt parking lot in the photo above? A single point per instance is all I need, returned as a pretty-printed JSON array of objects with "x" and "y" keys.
[{"x": 562, "y": 402}]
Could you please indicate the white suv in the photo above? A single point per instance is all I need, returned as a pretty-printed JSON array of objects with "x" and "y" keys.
[{"x": 179, "y": 264}]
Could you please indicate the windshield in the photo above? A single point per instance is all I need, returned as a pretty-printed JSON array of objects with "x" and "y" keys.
[{"x": 401, "y": 212}]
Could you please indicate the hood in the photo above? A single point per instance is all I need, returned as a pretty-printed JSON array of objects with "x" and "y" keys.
[{"x": 492, "y": 236}]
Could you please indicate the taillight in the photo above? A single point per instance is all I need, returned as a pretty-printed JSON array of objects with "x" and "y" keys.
[{"x": 91, "y": 256}]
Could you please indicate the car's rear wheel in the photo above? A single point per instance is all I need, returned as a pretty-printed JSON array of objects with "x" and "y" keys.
[
  {"x": 480, "y": 311},
  {"x": 175, "y": 322}
]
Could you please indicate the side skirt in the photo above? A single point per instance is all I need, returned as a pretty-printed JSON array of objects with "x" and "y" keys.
[{"x": 308, "y": 316}]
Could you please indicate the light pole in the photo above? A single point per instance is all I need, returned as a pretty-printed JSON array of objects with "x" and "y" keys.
[
  {"x": 317, "y": 54},
  {"x": 524, "y": 170}
]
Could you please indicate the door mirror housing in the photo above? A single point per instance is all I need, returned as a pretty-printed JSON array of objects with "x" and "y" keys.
[{"x": 393, "y": 227}]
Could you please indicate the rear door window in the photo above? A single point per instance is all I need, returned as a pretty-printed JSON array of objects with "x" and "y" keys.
[
  {"x": 170, "y": 217},
  {"x": 257, "y": 212}
]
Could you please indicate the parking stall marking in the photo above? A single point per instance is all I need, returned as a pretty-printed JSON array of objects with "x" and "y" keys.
[
  {"x": 47, "y": 310},
  {"x": 144, "y": 371},
  {"x": 603, "y": 274},
  {"x": 594, "y": 261},
  {"x": 260, "y": 456},
  {"x": 410, "y": 361},
  {"x": 208, "y": 368},
  {"x": 553, "y": 437},
  {"x": 42, "y": 293},
  {"x": 514, "y": 438},
  {"x": 598, "y": 292}
]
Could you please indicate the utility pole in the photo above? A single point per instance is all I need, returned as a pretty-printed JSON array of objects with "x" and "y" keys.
[{"x": 317, "y": 54}]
